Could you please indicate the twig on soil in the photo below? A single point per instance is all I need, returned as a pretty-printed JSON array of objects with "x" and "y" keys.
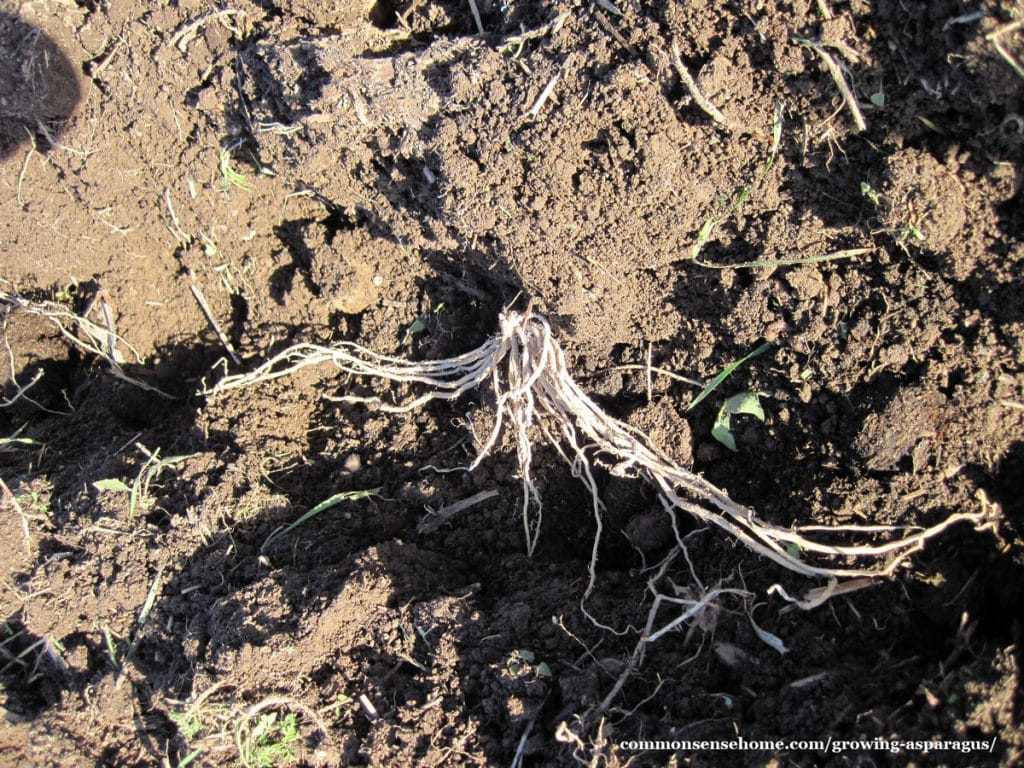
[
  {"x": 840, "y": 81},
  {"x": 108, "y": 320},
  {"x": 514, "y": 41},
  {"x": 434, "y": 520},
  {"x": 187, "y": 33},
  {"x": 544, "y": 96},
  {"x": 476, "y": 17},
  {"x": 650, "y": 382},
  {"x": 100, "y": 65},
  {"x": 201, "y": 301},
  {"x": 517, "y": 759},
  {"x": 848, "y": 253},
  {"x": 608, "y": 27},
  {"x": 24, "y": 168},
  {"x": 13, "y": 500},
  {"x": 180, "y": 235},
  {"x": 691, "y": 85},
  {"x": 996, "y": 39},
  {"x": 368, "y": 708},
  {"x": 82, "y": 333}
]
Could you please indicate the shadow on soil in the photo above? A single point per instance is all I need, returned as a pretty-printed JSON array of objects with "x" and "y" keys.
[{"x": 39, "y": 87}]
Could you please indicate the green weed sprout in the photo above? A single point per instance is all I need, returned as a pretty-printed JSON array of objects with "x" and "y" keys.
[{"x": 229, "y": 176}]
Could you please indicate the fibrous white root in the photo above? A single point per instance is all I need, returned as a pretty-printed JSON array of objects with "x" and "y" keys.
[{"x": 534, "y": 389}]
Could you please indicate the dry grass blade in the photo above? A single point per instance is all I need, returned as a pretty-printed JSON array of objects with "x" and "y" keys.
[{"x": 535, "y": 393}]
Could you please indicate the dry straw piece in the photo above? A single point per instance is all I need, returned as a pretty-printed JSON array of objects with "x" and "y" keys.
[{"x": 535, "y": 392}]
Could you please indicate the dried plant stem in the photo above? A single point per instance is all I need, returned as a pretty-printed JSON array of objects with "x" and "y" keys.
[
  {"x": 10, "y": 498},
  {"x": 212, "y": 320},
  {"x": 82, "y": 333},
  {"x": 996, "y": 39},
  {"x": 840, "y": 81},
  {"x": 691, "y": 85}
]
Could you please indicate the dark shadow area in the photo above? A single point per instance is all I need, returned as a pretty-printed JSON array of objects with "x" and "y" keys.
[{"x": 39, "y": 86}]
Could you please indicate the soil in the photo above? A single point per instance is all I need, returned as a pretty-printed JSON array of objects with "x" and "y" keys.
[{"x": 381, "y": 173}]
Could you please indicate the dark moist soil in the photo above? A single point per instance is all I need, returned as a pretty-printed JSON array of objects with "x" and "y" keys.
[{"x": 397, "y": 189}]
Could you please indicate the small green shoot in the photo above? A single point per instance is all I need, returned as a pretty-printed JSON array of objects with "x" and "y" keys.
[
  {"x": 33, "y": 501},
  {"x": 187, "y": 759},
  {"x": 870, "y": 193},
  {"x": 229, "y": 176},
  {"x": 748, "y": 403},
  {"x": 267, "y": 740},
  {"x": 111, "y": 484},
  {"x": 726, "y": 373},
  {"x": 419, "y": 325},
  {"x": 139, "y": 489},
  {"x": 16, "y": 441},
  {"x": 709, "y": 226},
  {"x": 900, "y": 221},
  {"x": 197, "y": 721},
  {"x": 111, "y": 649},
  {"x": 523, "y": 660},
  {"x": 878, "y": 97},
  {"x": 325, "y": 504}
]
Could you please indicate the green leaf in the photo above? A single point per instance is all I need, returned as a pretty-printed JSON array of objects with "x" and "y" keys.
[
  {"x": 878, "y": 98},
  {"x": 543, "y": 670},
  {"x": 722, "y": 432},
  {"x": 419, "y": 325},
  {"x": 745, "y": 402},
  {"x": 726, "y": 373},
  {"x": 702, "y": 237},
  {"x": 527, "y": 656},
  {"x": 111, "y": 484},
  {"x": 18, "y": 441},
  {"x": 325, "y": 504}
]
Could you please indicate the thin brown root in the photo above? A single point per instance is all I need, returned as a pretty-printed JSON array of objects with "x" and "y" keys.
[
  {"x": 840, "y": 81},
  {"x": 691, "y": 85}
]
